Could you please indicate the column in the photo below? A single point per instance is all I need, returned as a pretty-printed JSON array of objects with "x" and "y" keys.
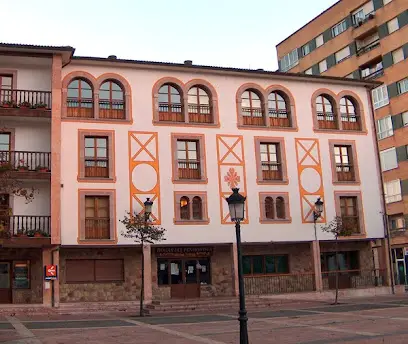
[
  {"x": 147, "y": 250},
  {"x": 315, "y": 252},
  {"x": 234, "y": 268},
  {"x": 384, "y": 262},
  {"x": 50, "y": 256}
]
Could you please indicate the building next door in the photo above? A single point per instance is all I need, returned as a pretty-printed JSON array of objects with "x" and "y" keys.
[{"x": 5, "y": 282}]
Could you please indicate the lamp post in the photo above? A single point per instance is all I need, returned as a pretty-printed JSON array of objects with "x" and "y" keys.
[
  {"x": 148, "y": 204},
  {"x": 317, "y": 213},
  {"x": 236, "y": 204}
]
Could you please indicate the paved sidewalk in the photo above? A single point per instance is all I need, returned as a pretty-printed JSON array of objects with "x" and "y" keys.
[{"x": 368, "y": 320}]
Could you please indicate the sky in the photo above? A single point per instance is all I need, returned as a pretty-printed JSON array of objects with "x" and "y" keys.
[{"x": 229, "y": 33}]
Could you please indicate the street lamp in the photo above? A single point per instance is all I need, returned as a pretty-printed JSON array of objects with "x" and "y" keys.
[
  {"x": 317, "y": 213},
  {"x": 236, "y": 204},
  {"x": 148, "y": 204}
]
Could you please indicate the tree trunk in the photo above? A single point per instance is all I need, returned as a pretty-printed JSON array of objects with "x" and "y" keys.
[
  {"x": 142, "y": 286},
  {"x": 337, "y": 273}
]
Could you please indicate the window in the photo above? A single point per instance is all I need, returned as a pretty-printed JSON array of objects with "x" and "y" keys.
[
  {"x": 372, "y": 71},
  {"x": 342, "y": 54},
  {"x": 339, "y": 28},
  {"x": 386, "y": 2},
  {"x": 347, "y": 260},
  {"x": 96, "y": 157},
  {"x": 388, "y": 159},
  {"x": 94, "y": 270},
  {"x": 306, "y": 49},
  {"x": 309, "y": 71},
  {"x": 349, "y": 213},
  {"x": 111, "y": 101},
  {"x": 199, "y": 108},
  {"x": 350, "y": 118},
  {"x": 266, "y": 264},
  {"x": 380, "y": 96},
  {"x": 402, "y": 86},
  {"x": 397, "y": 55},
  {"x": 80, "y": 99},
  {"x": 319, "y": 41},
  {"x": 397, "y": 222},
  {"x": 393, "y": 25},
  {"x": 278, "y": 110},
  {"x": 171, "y": 271},
  {"x": 325, "y": 112},
  {"x": 322, "y": 66},
  {"x": 97, "y": 217},
  {"x": 21, "y": 274},
  {"x": 274, "y": 207},
  {"x": 392, "y": 191},
  {"x": 188, "y": 159},
  {"x": 289, "y": 61},
  {"x": 270, "y": 161},
  {"x": 170, "y": 104},
  {"x": 358, "y": 17},
  {"x": 6, "y": 82},
  {"x": 350, "y": 76},
  {"x": 384, "y": 128},
  {"x": 405, "y": 118},
  {"x": 251, "y": 107},
  {"x": 190, "y": 207},
  {"x": 344, "y": 163}
]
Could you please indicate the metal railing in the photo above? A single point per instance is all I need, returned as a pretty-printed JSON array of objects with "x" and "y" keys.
[
  {"x": 278, "y": 118},
  {"x": 327, "y": 120},
  {"x": 253, "y": 116},
  {"x": 368, "y": 47},
  {"x": 171, "y": 112},
  {"x": 80, "y": 108},
  {"x": 199, "y": 113},
  {"x": 345, "y": 173},
  {"x": 279, "y": 284},
  {"x": 25, "y": 99},
  {"x": 25, "y": 161},
  {"x": 271, "y": 170},
  {"x": 374, "y": 75},
  {"x": 350, "y": 122},
  {"x": 26, "y": 225},
  {"x": 114, "y": 109},
  {"x": 189, "y": 169},
  {"x": 354, "y": 279}
]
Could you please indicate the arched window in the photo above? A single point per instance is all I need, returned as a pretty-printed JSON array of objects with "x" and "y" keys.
[
  {"x": 170, "y": 104},
  {"x": 251, "y": 106},
  {"x": 199, "y": 106},
  {"x": 79, "y": 99},
  {"x": 350, "y": 119},
  {"x": 280, "y": 208},
  {"x": 278, "y": 109},
  {"x": 111, "y": 100},
  {"x": 325, "y": 111},
  {"x": 184, "y": 208},
  {"x": 197, "y": 208},
  {"x": 269, "y": 209}
]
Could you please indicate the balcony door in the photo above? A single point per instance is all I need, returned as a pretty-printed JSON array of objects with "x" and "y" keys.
[
  {"x": 5, "y": 282},
  {"x": 5, "y": 145}
]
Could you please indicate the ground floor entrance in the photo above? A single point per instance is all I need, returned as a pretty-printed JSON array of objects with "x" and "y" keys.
[
  {"x": 400, "y": 261},
  {"x": 5, "y": 282}
]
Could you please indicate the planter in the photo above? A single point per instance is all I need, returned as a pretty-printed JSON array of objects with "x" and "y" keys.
[
  {"x": 20, "y": 169},
  {"x": 38, "y": 235},
  {"x": 6, "y": 105},
  {"x": 42, "y": 170}
]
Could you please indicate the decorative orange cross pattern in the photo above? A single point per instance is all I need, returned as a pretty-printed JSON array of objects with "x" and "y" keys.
[
  {"x": 230, "y": 150},
  {"x": 308, "y": 153},
  {"x": 143, "y": 147}
]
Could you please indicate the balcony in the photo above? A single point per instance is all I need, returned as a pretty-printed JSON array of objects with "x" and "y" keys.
[
  {"x": 327, "y": 120},
  {"x": 374, "y": 75},
  {"x": 200, "y": 114},
  {"x": 362, "y": 25},
  {"x": 170, "y": 112},
  {"x": 188, "y": 169},
  {"x": 253, "y": 116},
  {"x": 271, "y": 171},
  {"x": 25, "y": 103},
  {"x": 279, "y": 118},
  {"x": 26, "y": 164},
  {"x": 368, "y": 47},
  {"x": 345, "y": 173}
]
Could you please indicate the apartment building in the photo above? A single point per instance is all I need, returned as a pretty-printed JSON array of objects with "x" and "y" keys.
[
  {"x": 364, "y": 40},
  {"x": 120, "y": 132}
]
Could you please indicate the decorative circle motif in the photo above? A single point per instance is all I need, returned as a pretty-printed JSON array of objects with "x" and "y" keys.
[
  {"x": 310, "y": 180},
  {"x": 144, "y": 177}
]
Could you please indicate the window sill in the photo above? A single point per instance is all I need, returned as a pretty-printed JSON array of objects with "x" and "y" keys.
[
  {"x": 272, "y": 182},
  {"x": 96, "y": 120},
  {"x": 355, "y": 182},
  {"x": 97, "y": 241},
  {"x": 257, "y": 127},
  {"x": 184, "y": 124},
  {"x": 96, "y": 180},
  {"x": 190, "y": 181},
  {"x": 341, "y": 131},
  {"x": 274, "y": 221},
  {"x": 191, "y": 222},
  {"x": 353, "y": 236}
]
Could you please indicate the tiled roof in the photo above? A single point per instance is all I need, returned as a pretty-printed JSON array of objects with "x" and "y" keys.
[{"x": 30, "y": 46}]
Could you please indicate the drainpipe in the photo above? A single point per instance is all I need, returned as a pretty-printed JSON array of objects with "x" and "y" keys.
[{"x": 384, "y": 205}]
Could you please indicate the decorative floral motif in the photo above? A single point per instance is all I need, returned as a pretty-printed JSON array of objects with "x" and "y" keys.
[{"x": 232, "y": 178}]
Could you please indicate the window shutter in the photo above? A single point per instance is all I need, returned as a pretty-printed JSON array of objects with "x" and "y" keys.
[
  {"x": 79, "y": 270},
  {"x": 403, "y": 19},
  {"x": 401, "y": 153},
  {"x": 405, "y": 49},
  {"x": 349, "y": 21},
  {"x": 353, "y": 48},
  {"x": 383, "y": 30},
  {"x": 331, "y": 60},
  {"x": 404, "y": 190},
  {"x": 327, "y": 35},
  {"x": 387, "y": 60},
  {"x": 377, "y": 4},
  {"x": 312, "y": 45},
  {"x": 356, "y": 74},
  {"x": 397, "y": 121},
  {"x": 392, "y": 90},
  {"x": 109, "y": 270},
  {"x": 405, "y": 220},
  {"x": 315, "y": 69}
]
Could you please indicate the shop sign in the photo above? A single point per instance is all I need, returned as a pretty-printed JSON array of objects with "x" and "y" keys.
[
  {"x": 184, "y": 251},
  {"x": 51, "y": 272}
]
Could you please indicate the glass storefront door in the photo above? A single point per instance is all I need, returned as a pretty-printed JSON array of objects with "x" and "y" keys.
[{"x": 5, "y": 282}]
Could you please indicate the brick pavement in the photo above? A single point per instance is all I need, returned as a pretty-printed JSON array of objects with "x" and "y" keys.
[{"x": 371, "y": 321}]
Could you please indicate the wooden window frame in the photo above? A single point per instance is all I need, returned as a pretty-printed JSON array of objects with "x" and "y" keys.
[
  {"x": 264, "y": 273},
  {"x": 110, "y": 135},
  {"x": 96, "y": 209},
  {"x": 95, "y": 158},
  {"x": 360, "y": 209},
  {"x": 200, "y": 138},
  {"x": 276, "y": 111},
  {"x": 262, "y": 211},
  {"x": 282, "y": 154},
  {"x": 180, "y": 115},
  {"x": 354, "y": 158},
  {"x": 82, "y": 193},
  {"x": 112, "y": 102},
  {"x": 204, "y": 208},
  {"x": 200, "y": 113},
  {"x": 350, "y": 115}
]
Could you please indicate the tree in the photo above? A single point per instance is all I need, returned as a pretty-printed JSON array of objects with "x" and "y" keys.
[
  {"x": 339, "y": 227},
  {"x": 142, "y": 232}
]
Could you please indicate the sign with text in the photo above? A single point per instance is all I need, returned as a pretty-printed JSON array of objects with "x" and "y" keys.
[
  {"x": 50, "y": 272},
  {"x": 184, "y": 251}
]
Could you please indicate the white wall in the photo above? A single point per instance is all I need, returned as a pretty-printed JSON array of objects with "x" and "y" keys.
[{"x": 40, "y": 205}]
